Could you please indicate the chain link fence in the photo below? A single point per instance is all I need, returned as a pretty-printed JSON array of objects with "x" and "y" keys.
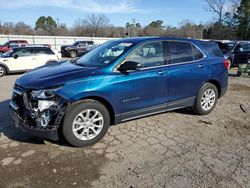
[{"x": 55, "y": 41}]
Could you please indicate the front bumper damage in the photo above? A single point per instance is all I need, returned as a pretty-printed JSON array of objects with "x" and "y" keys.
[{"x": 37, "y": 117}]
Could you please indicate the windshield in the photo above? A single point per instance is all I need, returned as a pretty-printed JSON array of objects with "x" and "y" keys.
[
  {"x": 104, "y": 54},
  {"x": 76, "y": 43}
]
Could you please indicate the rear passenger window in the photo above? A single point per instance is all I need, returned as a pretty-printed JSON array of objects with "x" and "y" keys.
[
  {"x": 179, "y": 52},
  {"x": 42, "y": 51},
  {"x": 90, "y": 42},
  {"x": 197, "y": 53}
]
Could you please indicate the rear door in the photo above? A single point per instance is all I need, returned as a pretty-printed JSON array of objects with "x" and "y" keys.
[
  {"x": 82, "y": 48},
  {"x": 186, "y": 72},
  {"x": 43, "y": 55}
]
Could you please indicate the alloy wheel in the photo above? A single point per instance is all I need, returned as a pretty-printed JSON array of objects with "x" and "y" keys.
[
  {"x": 88, "y": 124},
  {"x": 208, "y": 99}
]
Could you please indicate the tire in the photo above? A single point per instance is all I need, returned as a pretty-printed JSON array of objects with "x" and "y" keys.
[
  {"x": 72, "y": 54},
  {"x": 205, "y": 108},
  {"x": 2, "y": 71},
  {"x": 238, "y": 73},
  {"x": 79, "y": 117}
]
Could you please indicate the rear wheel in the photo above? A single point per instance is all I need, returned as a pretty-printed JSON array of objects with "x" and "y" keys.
[
  {"x": 206, "y": 99},
  {"x": 86, "y": 123},
  {"x": 2, "y": 71},
  {"x": 72, "y": 54}
]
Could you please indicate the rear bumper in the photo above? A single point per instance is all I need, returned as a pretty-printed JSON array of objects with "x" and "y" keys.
[{"x": 51, "y": 134}]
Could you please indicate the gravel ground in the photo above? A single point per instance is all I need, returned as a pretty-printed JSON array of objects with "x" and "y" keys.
[{"x": 174, "y": 149}]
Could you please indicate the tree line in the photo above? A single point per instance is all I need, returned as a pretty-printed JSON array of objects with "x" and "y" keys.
[{"x": 232, "y": 22}]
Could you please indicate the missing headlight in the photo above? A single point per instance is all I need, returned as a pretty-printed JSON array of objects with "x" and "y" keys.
[{"x": 44, "y": 118}]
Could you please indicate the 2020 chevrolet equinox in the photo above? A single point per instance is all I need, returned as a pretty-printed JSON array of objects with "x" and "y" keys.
[{"x": 118, "y": 81}]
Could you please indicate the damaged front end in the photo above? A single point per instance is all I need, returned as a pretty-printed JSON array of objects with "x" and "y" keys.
[{"x": 38, "y": 112}]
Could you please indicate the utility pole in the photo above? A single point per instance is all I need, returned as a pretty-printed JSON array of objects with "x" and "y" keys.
[
  {"x": 57, "y": 20},
  {"x": 134, "y": 26}
]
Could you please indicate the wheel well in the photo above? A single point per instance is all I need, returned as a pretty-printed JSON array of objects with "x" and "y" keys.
[
  {"x": 50, "y": 61},
  {"x": 217, "y": 84},
  {"x": 107, "y": 105},
  {"x": 5, "y": 67}
]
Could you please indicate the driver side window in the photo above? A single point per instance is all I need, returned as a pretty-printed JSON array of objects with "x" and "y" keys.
[
  {"x": 148, "y": 55},
  {"x": 23, "y": 53}
]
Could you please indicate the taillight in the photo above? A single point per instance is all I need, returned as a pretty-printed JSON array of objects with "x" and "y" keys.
[{"x": 227, "y": 63}]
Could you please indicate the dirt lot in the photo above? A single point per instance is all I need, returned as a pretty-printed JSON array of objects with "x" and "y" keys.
[{"x": 175, "y": 149}]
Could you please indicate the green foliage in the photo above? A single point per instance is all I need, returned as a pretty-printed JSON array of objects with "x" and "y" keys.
[
  {"x": 156, "y": 24},
  {"x": 48, "y": 24},
  {"x": 243, "y": 19}
]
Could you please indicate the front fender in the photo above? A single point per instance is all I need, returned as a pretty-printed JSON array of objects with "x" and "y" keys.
[{"x": 104, "y": 87}]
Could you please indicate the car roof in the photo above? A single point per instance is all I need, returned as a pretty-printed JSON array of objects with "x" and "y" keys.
[
  {"x": 84, "y": 41},
  {"x": 142, "y": 39},
  {"x": 17, "y": 41},
  {"x": 33, "y": 47}
]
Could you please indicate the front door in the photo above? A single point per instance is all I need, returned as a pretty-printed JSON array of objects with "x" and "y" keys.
[
  {"x": 22, "y": 59},
  {"x": 143, "y": 91}
]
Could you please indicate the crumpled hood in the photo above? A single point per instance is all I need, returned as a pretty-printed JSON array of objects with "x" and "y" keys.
[{"x": 53, "y": 75}]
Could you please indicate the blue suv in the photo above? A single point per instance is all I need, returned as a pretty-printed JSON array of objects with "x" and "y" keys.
[{"x": 118, "y": 81}]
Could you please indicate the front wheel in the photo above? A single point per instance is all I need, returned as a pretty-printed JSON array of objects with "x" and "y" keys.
[
  {"x": 206, "y": 99},
  {"x": 86, "y": 123},
  {"x": 73, "y": 54},
  {"x": 2, "y": 71}
]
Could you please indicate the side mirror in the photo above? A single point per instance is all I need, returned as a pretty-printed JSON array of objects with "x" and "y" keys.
[
  {"x": 15, "y": 56},
  {"x": 129, "y": 65}
]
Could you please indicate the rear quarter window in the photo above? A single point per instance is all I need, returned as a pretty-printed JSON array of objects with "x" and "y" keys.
[{"x": 212, "y": 48}]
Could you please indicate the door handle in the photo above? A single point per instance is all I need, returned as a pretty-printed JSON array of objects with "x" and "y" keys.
[
  {"x": 5, "y": 60},
  {"x": 200, "y": 65},
  {"x": 33, "y": 58},
  {"x": 160, "y": 72}
]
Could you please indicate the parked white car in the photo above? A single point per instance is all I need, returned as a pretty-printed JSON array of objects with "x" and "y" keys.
[{"x": 22, "y": 59}]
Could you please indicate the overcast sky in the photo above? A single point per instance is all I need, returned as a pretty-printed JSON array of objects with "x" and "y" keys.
[{"x": 172, "y": 12}]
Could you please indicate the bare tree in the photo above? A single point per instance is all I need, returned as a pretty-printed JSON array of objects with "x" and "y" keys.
[
  {"x": 217, "y": 7},
  {"x": 96, "y": 23},
  {"x": 23, "y": 29}
]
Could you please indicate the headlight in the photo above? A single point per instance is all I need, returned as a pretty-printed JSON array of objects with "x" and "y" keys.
[{"x": 44, "y": 94}]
